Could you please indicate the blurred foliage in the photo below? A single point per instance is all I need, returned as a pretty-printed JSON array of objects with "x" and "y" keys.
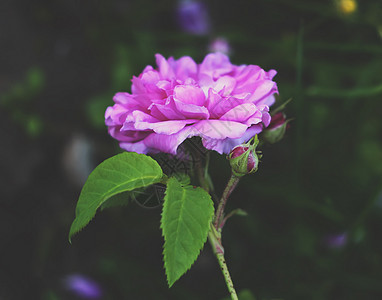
[
  {"x": 18, "y": 101},
  {"x": 62, "y": 61}
]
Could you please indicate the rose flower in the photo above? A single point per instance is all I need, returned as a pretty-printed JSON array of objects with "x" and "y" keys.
[{"x": 222, "y": 103}]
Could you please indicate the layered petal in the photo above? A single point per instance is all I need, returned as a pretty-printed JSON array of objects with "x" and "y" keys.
[
  {"x": 189, "y": 94},
  {"x": 191, "y": 110},
  {"x": 243, "y": 112},
  {"x": 216, "y": 65},
  {"x": 165, "y": 127},
  {"x": 165, "y": 69},
  {"x": 220, "y": 129},
  {"x": 169, "y": 143},
  {"x": 225, "y": 145},
  {"x": 222, "y": 103},
  {"x": 139, "y": 147},
  {"x": 185, "y": 68}
]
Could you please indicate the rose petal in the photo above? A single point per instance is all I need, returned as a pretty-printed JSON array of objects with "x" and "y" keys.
[
  {"x": 169, "y": 143},
  {"x": 225, "y": 85},
  {"x": 213, "y": 99},
  {"x": 226, "y": 145},
  {"x": 218, "y": 129},
  {"x": 137, "y": 116},
  {"x": 166, "y": 127},
  {"x": 247, "y": 78},
  {"x": 165, "y": 69},
  {"x": 263, "y": 89},
  {"x": 169, "y": 111},
  {"x": 206, "y": 129},
  {"x": 185, "y": 67},
  {"x": 127, "y": 135},
  {"x": 215, "y": 65},
  {"x": 269, "y": 101},
  {"x": 241, "y": 112},
  {"x": 149, "y": 78},
  {"x": 266, "y": 119},
  {"x": 271, "y": 73},
  {"x": 115, "y": 115},
  {"x": 223, "y": 105},
  {"x": 256, "y": 118},
  {"x": 189, "y": 95},
  {"x": 191, "y": 110},
  {"x": 139, "y": 147}
]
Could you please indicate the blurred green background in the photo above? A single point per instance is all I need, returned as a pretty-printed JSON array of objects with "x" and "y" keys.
[{"x": 315, "y": 205}]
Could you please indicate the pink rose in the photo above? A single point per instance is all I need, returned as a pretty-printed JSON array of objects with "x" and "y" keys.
[{"x": 222, "y": 103}]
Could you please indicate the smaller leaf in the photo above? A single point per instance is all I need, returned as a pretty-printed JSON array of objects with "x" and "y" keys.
[
  {"x": 186, "y": 217},
  {"x": 121, "y": 173}
]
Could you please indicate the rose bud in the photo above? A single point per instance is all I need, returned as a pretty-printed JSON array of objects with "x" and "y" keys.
[
  {"x": 243, "y": 158},
  {"x": 276, "y": 129}
]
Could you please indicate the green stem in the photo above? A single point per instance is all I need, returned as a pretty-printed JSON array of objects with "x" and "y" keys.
[
  {"x": 201, "y": 172},
  {"x": 214, "y": 235},
  {"x": 214, "y": 238},
  {"x": 232, "y": 183}
]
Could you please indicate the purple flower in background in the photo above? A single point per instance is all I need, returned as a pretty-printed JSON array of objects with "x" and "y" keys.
[
  {"x": 220, "y": 45},
  {"x": 193, "y": 17},
  {"x": 222, "y": 103},
  {"x": 83, "y": 287},
  {"x": 336, "y": 241}
]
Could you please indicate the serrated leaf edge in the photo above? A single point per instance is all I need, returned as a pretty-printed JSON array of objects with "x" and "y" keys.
[
  {"x": 170, "y": 284},
  {"x": 71, "y": 234}
]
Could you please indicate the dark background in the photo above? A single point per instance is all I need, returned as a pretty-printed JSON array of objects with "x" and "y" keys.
[{"x": 315, "y": 205}]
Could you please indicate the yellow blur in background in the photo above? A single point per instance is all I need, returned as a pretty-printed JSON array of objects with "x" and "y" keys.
[{"x": 346, "y": 7}]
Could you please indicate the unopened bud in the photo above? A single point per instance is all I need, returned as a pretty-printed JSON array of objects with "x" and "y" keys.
[
  {"x": 243, "y": 158},
  {"x": 276, "y": 129}
]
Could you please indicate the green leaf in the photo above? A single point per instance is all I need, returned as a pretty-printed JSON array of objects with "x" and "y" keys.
[
  {"x": 121, "y": 199},
  {"x": 183, "y": 178},
  {"x": 123, "y": 172},
  {"x": 187, "y": 213}
]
